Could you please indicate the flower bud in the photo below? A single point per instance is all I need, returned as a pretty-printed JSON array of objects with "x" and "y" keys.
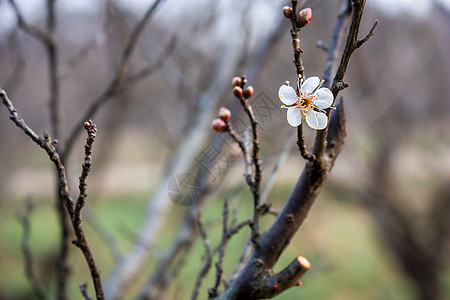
[
  {"x": 287, "y": 11},
  {"x": 237, "y": 91},
  {"x": 224, "y": 114},
  {"x": 248, "y": 92},
  {"x": 218, "y": 125},
  {"x": 236, "y": 81},
  {"x": 304, "y": 17}
]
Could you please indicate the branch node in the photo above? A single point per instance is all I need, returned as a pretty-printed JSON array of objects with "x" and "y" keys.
[{"x": 290, "y": 219}]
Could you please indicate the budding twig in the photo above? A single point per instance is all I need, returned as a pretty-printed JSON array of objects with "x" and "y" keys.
[{"x": 74, "y": 211}]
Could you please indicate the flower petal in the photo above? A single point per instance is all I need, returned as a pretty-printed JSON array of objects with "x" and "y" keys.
[
  {"x": 294, "y": 116},
  {"x": 316, "y": 120},
  {"x": 324, "y": 99},
  {"x": 310, "y": 85},
  {"x": 287, "y": 95}
]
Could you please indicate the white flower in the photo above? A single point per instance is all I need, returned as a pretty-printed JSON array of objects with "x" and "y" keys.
[{"x": 309, "y": 103}]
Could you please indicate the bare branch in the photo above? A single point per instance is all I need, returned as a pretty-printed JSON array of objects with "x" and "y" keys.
[
  {"x": 81, "y": 54},
  {"x": 206, "y": 265},
  {"x": 301, "y": 144},
  {"x": 213, "y": 292},
  {"x": 24, "y": 219},
  {"x": 255, "y": 182},
  {"x": 44, "y": 143},
  {"x": 30, "y": 29},
  {"x": 74, "y": 212},
  {"x": 116, "y": 85},
  {"x": 369, "y": 34},
  {"x": 242, "y": 145},
  {"x": 287, "y": 278},
  {"x": 81, "y": 241},
  {"x": 295, "y": 35},
  {"x": 156, "y": 65},
  {"x": 103, "y": 232},
  {"x": 247, "y": 285}
]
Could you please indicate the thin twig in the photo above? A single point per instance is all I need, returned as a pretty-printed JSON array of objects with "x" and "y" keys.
[
  {"x": 369, "y": 34},
  {"x": 28, "y": 28},
  {"x": 24, "y": 219},
  {"x": 81, "y": 241},
  {"x": 295, "y": 31},
  {"x": 116, "y": 84},
  {"x": 255, "y": 183},
  {"x": 74, "y": 212},
  {"x": 235, "y": 136},
  {"x": 206, "y": 265},
  {"x": 156, "y": 65},
  {"x": 350, "y": 46},
  {"x": 48, "y": 40},
  {"x": 301, "y": 144},
  {"x": 236, "y": 228},
  {"x": 81, "y": 54},
  {"x": 295, "y": 35},
  {"x": 103, "y": 232},
  {"x": 213, "y": 292},
  {"x": 248, "y": 284},
  {"x": 49, "y": 147}
]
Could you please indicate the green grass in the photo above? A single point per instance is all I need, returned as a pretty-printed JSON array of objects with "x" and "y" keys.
[{"x": 338, "y": 238}]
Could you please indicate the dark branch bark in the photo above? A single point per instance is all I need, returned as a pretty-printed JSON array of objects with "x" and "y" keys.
[
  {"x": 73, "y": 210},
  {"x": 295, "y": 210}
]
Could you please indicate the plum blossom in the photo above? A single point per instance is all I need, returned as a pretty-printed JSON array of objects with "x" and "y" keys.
[{"x": 309, "y": 103}]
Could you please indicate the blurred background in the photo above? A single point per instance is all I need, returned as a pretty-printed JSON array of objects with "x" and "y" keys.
[{"x": 380, "y": 228}]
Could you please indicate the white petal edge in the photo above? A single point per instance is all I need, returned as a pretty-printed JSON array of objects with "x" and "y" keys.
[
  {"x": 316, "y": 120},
  {"x": 287, "y": 95},
  {"x": 325, "y": 98},
  {"x": 310, "y": 84},
  {"x": 294, "y": 116}
]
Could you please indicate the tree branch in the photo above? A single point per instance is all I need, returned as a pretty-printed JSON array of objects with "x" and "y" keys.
[
  {"x": 74, "y": 211},
  {"x": 206, "y": 265},
  {"x": 44, "y": 143},
  {"x": 116, "y": 84},
  {"x": 303, "y": 195},
  {"x": 287, "y": 278},
  {"x": 24, "y": 219},
  {"x": 81, "y": 241}
]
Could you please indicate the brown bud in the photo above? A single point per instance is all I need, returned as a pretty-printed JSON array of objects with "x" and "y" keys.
[
  {"x": 87, "y": 125},
  {"x": 236, "y": 81},
  {"x": 304, "y": 17},
  {"x": 287, "y": 11},
  {"x": 248, "y": 92},
  {"x": 237, "y": 91},
  {"x": 224, "y": 114},
  {"x": 218, "y": 125}
]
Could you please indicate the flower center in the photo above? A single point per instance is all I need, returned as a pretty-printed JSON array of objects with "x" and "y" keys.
[{"x": 304, "y": 101}]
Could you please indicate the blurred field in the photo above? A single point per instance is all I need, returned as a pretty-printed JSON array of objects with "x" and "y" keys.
[{"x": 338, "y": 238}]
